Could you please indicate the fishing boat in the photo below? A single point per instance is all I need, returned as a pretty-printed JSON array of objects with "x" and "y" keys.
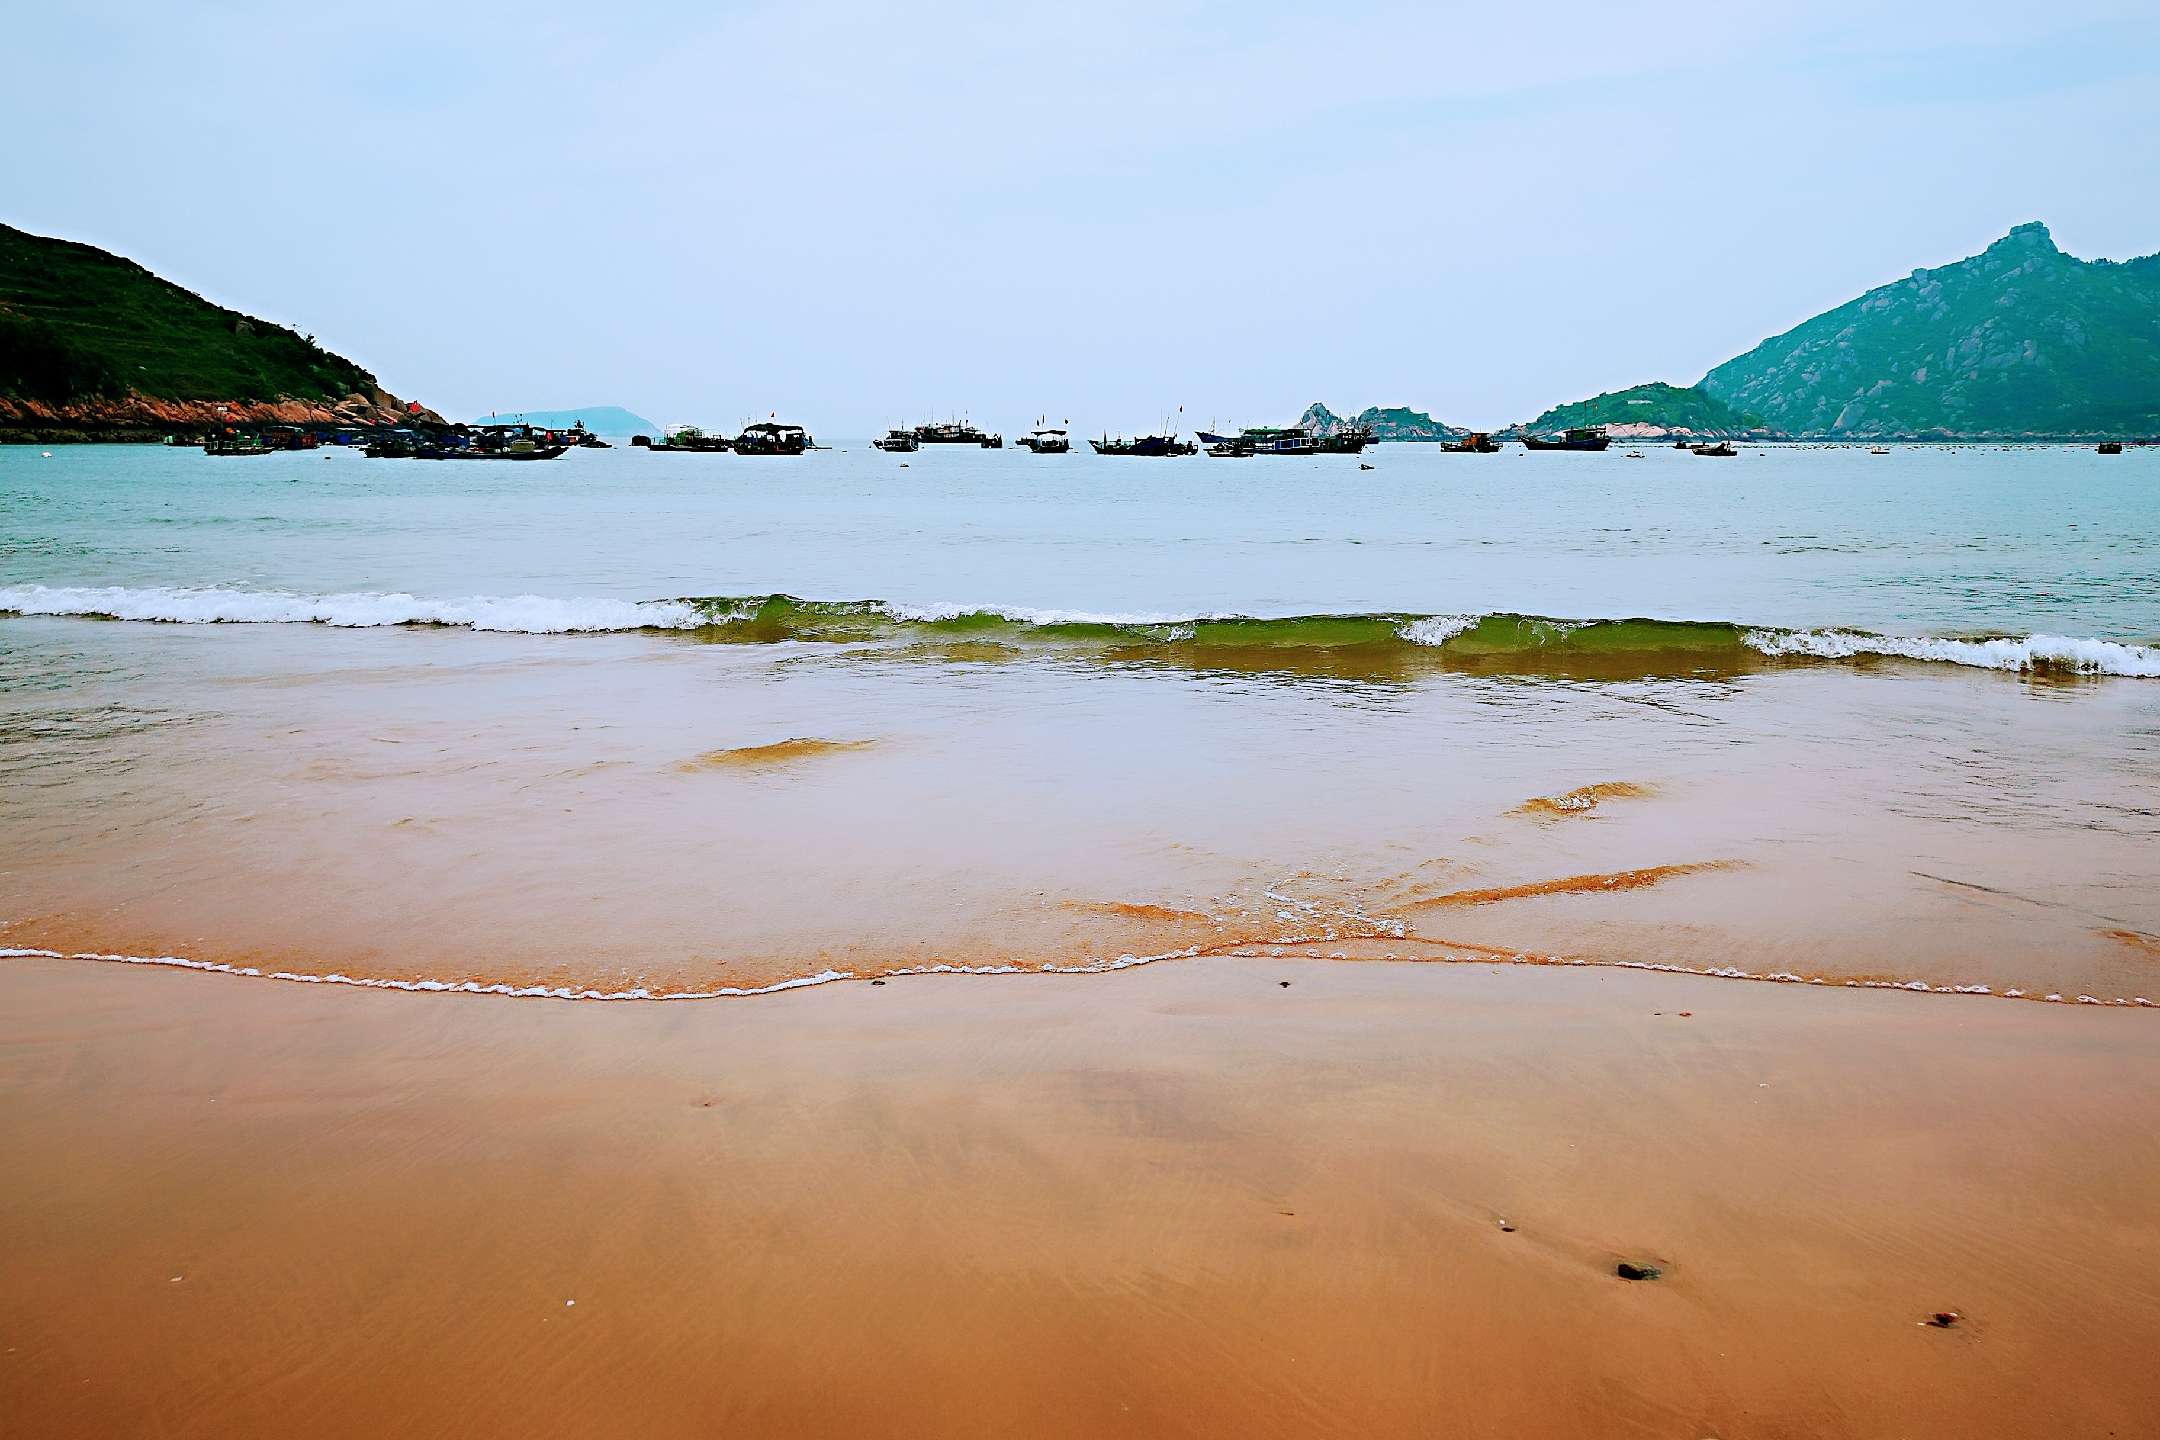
[
  {"x": 1879, "y": 450},
  {"x": 1045, "y": 442},
  {"x": 1477, "y": 442},
  {"x": 521, "y": 449},
  {"x": 234, "y": 444},
  {"x": 1273, "y": 440},
  {"x": 1578, "y": 437},
  {"x": 506, "y": 442},
  {"x": 899, "y": 441},
  {"x": 1145, "y": 445},
  {"x": 768, "y": 437},
  {"x": 1230, "y": 447},
  {"x": 1719, "y": 451},
  {"x": 1350, "y": 440},
  {"x": 688, "y": 437},
  {"x": 2110, "y": 447},
  {"x": 957, "y": 432}
]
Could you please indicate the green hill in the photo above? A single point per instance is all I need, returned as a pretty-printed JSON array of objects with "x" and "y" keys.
[
  {"x": 77, "y": 322},
  {"x": 1651, "y": 410},
  {"x": 2020, "y": 341}
]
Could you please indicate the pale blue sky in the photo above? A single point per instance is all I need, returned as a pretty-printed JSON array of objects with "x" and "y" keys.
[{"x": 857, "y": 215}]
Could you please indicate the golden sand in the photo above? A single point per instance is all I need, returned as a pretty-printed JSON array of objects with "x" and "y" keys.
[{"x": 1187, "y": 1200}]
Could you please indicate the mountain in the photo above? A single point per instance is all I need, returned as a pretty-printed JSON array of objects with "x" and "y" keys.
[
  {"x": 2020, "y": 341},
  {"x": 93, "y": 345},
  {"x": 1656, "y": 411},
  {"x": 1391, "y": 423},
  {"x": 600, "y": 419}
]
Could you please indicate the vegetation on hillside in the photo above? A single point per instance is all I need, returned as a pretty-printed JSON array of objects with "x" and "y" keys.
[
  {"x": 2019, "y": 341},
  {"x": 78, "y": 323},
  {"x": 1675, "y": 408}
]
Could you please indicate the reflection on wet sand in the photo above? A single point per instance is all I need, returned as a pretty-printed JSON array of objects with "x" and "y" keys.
[{"x": 773, "y": 755}]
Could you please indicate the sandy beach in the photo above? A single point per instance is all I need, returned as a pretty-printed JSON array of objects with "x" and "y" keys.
[{"x": 1190, "y": 1199}]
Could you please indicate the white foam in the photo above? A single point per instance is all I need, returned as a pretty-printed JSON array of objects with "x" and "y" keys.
[
  {"x": 219, "y": 605},
  {"x": 1029, "y": 615},
  {"x": 1266, "y": 949},
  {"x": 1436, "y": 629},
  {"x": 2033, "y": 652}
]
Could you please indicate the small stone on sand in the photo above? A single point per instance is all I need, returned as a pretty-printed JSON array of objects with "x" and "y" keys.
[{"x": 1629, "y": 1270}]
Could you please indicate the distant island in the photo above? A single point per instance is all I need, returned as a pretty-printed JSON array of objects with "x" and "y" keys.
[
  {"x": 1385, "y": 423},
  {"x": 600, "y": 419},
  {"x": 93, "y": 346}
]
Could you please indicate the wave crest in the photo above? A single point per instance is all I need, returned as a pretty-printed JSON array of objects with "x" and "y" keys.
[{"x": 1403, "y": 641}]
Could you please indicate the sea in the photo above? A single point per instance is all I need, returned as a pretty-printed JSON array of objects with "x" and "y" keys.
[{"x": 635, "y": 725}]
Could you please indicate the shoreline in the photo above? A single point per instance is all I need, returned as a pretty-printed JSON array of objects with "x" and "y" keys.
[
  {"x": 1275, "y": 1197},
  {"x": 1265, "y": 950}
]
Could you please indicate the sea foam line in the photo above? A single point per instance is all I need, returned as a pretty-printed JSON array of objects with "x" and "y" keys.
[
  {"x": 2031, "y": 652},
  {"x": 221, "y": 605},
  {"x": 550, "y": 615},
  {"x": 1094, "y": 967}
]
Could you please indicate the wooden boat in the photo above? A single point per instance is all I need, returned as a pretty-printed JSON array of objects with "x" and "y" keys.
[
  {"x": 1045, "y": 442},
  {"x": 688, "y": 438},
  {"x": 520, "y": 449},
  {"x": 234, "y": 444},
  {"x": 957, "y": 432},
  {"x": 899, "y": 442},
  {"x": 1477, "y": 442},
  {"x": 1580, "y": 437},
  {"x": 1719, "y": 451},
  {"x": 2110, "y": 447},
  {"x": 768, "y": 437},
  {"x": 1153, "y": 446},
  {"x": 1230, "y": 448}
]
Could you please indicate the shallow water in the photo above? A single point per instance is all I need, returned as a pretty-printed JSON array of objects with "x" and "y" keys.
[{"x": 1034, "y": 750}]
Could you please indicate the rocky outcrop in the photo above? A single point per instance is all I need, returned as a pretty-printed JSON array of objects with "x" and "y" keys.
[
  {"x": 148, "y": 418},
  {"x": 1386, "y": 423}
]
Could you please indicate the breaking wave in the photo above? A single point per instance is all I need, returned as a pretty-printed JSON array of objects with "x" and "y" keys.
[
  {"x": 1391, "y": 642},
  {"x": 528, "y": 614}
]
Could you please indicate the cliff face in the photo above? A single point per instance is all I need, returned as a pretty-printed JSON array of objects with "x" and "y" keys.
[
  {"x": 1389, "y": 423},
  {"x": 2020, "y": 341},
  {"x": 95, "y": 344}
]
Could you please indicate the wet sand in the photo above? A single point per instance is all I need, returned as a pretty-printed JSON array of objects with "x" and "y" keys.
[
  {"x": 617, "y": 812},
  {"x": 1181, "y": 1200}
]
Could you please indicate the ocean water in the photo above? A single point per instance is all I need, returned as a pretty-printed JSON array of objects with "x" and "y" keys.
[
  {"x": 629, "y": 724},
  {"x": 1922, "y": 545}
]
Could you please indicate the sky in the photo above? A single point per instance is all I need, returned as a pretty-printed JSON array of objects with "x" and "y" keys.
[{"x": 858, "y": 215}]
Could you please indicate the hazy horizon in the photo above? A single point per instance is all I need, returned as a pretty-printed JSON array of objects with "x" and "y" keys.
[{"x": 859, "y": 216}]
